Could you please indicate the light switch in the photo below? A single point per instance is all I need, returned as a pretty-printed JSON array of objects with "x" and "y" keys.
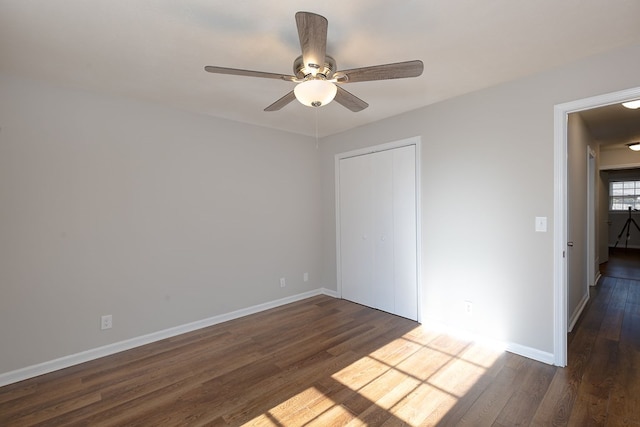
[{"x": 541, "y": 224}]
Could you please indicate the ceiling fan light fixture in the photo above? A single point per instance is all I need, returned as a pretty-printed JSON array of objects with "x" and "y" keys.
[
  {"x": 315, "y": 92},
  {"x": 317, "y": 74},
  {"x": 633, "y": 105},
  {"x": 635, "y": 146}
]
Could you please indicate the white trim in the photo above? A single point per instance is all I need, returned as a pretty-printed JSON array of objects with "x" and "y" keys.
[
  {"x": 329, "y": 292},
  {"x": 95, "y": 353},
  {"x": 578, "y": 311},
  {"x": 561, "y": 112},
  {"x": 419, "y": 226},
  {"x": 560, "y": 238},
  {"x": 618, "y": 167},
  {"x": 591, "y": 263},
  {"x": 336, "y": 170},
  {"x": 525, "y": 351},
  {"x": 597, "y": 278},
  {"x": 417, "y": 142},
  {"x": 531, "y": 353},
  {"x": 414, "y": 140}
]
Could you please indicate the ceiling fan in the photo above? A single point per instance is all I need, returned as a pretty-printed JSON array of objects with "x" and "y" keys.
[{"x": 318, "y": 81}]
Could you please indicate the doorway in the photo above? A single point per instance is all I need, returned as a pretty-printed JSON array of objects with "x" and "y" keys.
[{"x": 561, "y": 241}]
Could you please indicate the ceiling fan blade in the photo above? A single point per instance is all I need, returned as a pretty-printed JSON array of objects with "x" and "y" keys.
[
  {"x": 349, "y": 100},
  {"x": 281, "y": 102},
  {"x": 247, "y": 73},
  {"x": 312, "y": 31},
  {"x": 398, "y": 70}
]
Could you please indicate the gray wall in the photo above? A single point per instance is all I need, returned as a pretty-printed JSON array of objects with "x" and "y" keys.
[
  {"x": 161, "y": 217},
  {"x": 153, "y": 215},
  {"x": 487, "y": 172}
]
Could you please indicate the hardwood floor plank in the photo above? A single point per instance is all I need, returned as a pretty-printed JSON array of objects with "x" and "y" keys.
[
  {"x": 625, "y": 394},
  {"x": 493, "y": 362},
  {"x": 595, "y": 389},
  {"x": 366, "y": 397},
  {"x": 490, "y": 403},
  {"x": 293, "y": 411},
  {"x": 613, "y": 317},
  {"x": 425, "y": 363},
  {"x": 417, "y": 406},
  {"x": 534, "y": 379},
  {"x": 337, "y": 416},
  {"x": 325, "y": 361},
  {"x": 630, "y": 331}
]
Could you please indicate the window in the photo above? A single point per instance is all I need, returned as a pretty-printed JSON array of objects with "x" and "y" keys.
[{"x": 624, "y": 195}]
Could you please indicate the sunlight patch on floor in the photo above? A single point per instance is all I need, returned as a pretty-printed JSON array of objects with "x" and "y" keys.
[
  {"x": 297, "y": 406},
  {"x": 415, "y": 379}
]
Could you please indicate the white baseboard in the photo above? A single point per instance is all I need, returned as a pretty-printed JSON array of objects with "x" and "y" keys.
[
  {"x": 96, "y": 353},
  {"x": 531, "y": 353},
  {"x": 596, "y": 279},
  {"x": 330, "y": 293},
  {"x": 578, "y": 311},
  {"x": 521, "y": 350}
]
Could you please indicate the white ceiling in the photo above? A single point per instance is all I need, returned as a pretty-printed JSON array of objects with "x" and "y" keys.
[
  {"x": 155, "y": 50},
  {"x": 613, "y": 126}
]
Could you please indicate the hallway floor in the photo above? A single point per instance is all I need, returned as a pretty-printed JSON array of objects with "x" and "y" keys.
[
  {"x": 604, "y": 347},
  {"x": 622, "y": 264}
]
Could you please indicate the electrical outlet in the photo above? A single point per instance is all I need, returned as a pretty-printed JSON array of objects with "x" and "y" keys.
[
  {"x": 106, "y": 322},
  {"x": 468, "y": 308},
  {"x": 283, "y": 282},
  {"x": 305, "y": 277}
]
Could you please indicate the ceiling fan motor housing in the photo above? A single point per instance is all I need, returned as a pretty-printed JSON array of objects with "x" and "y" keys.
[{"x": 301, "y": 71}]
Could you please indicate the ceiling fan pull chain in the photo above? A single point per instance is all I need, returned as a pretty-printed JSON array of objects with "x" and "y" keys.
[{"x": 316, "y": 127}]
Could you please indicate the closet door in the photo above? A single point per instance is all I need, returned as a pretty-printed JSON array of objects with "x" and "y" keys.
[
  {"x": 378, "y": 230},
  {"x": 405, "y": 233},
  {"x": 356, "y": 223},
  {"x": 381, "y": 208}
]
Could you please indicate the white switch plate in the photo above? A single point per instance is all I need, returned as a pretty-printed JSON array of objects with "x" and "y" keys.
[{"x": 541, "y": 224}]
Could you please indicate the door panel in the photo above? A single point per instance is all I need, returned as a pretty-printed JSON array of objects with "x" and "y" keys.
[
  {"x": 356, "y": 253},
  {"x": 382, "y": 207},
  {"x": 405, "y": 232}
]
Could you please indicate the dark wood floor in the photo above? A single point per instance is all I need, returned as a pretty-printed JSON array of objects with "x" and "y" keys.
[
  {"x": 329, "y": 362},
  {"x": 622, "y": 264}
]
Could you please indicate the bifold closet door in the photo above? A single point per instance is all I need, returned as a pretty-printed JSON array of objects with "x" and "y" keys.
[
  {"x": 356, "y": 224},
  {"x": 378, "y": 230}
]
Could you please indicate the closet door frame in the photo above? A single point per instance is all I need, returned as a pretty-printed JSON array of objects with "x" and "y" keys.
[{"x": 413, "y": 141}]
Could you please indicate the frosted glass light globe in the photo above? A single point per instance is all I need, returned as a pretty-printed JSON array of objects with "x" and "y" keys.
[{"x": 315, "y": 93}]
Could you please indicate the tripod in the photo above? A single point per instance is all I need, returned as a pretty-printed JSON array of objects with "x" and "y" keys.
[{"x": 628, "y": 228}]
